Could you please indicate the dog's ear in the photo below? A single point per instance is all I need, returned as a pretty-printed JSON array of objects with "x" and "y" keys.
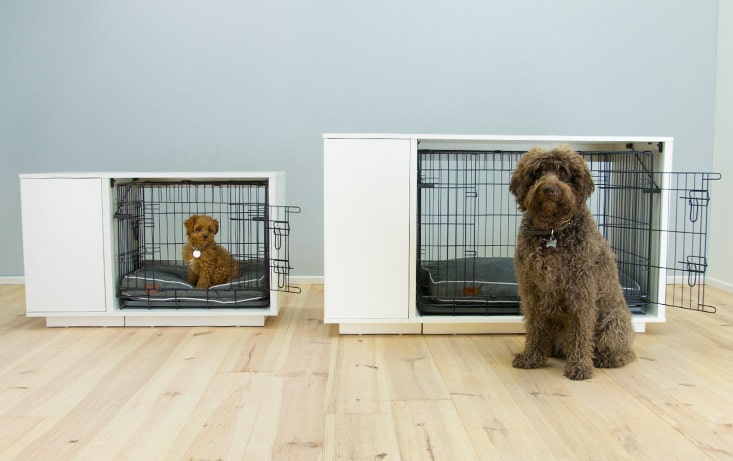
[
  {"x": 516, "y": 187},
  {"x": 216, "y": 226},
  {"x": 190, "y": 223},
  {"x": 524, "y": 173},
  {"x": 585, "y": 183},
  {"x": 582, "y": 178}
]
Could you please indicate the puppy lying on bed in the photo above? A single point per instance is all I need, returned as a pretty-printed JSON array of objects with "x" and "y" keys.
[{"x": 208, "y": 264}]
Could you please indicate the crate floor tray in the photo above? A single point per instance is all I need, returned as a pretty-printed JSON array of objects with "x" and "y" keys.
[
  {"x": 166, "y": 286},
  {"x": 485, "y": 286}
]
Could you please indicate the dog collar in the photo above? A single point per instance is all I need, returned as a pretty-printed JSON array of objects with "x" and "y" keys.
[{"x": 550, "y": 241}]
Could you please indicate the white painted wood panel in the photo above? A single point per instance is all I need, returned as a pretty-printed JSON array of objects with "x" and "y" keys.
[
  {"x": 63, "y": 245},
  {"x": 366, "y": 228}
]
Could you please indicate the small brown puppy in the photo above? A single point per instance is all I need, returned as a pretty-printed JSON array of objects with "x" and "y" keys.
[
  {"x": 208, "y": 264},
  {"x": 569, "y": 288}
]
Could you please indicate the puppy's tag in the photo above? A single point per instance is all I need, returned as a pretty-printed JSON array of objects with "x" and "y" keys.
[
  {"x": 552, "y": 243},
  {"x": 196, "y": 254}
]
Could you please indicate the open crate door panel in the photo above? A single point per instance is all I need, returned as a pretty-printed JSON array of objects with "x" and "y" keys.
[
  {"x": 686, "y": 234},
  {"x": 279, "y": 227}
]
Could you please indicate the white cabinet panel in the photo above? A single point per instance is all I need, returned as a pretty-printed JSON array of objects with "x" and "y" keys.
[
  {"x": 63, "y": 245},
  {"x": 366, "y": 228}
]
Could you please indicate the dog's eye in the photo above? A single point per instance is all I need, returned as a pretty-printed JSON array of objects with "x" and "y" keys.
[
  {"x": 563, "y": 174},
  {"x": 198, "y": 229}
]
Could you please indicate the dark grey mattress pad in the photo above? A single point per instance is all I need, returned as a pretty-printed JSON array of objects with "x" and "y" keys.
[
  {"x": 168, "y": 283},
  {"x": 479, "y": 279},
  {"x": 482, "y": 280}
]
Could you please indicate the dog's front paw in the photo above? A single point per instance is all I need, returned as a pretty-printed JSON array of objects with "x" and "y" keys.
[
  {"x": 613, "y": 360},
  {"x": 528, "y": 360},
  {"x": 579, "y": 372}
]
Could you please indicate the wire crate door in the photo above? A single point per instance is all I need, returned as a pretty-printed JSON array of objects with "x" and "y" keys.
[
  {"x": 686, "y": 233},
  {"x": 279, "y": 234},
  {"x": 466, "y": 233}
]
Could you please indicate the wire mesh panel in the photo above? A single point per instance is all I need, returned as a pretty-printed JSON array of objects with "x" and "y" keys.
[
  {"x": 151, "y": 236},
  {"x": 623, "y": 207},
  {"x": 467, "y": 227},
  {"x": 687, "y": 231},
  {"x": 468, "y": 222},
  {"x": 279, "y": 227}
]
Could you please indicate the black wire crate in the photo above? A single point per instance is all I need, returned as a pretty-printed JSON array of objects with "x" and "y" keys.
[
  {"x": 151, "y": 234},
  {"x": 655, "y": 222}
]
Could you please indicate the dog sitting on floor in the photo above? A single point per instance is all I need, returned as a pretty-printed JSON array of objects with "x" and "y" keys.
[
  {"x": 569, "y": 287},
  {"x": 208, "y": 263}
]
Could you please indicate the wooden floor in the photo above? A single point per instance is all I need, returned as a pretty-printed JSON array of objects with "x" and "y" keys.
[{"x": 294, "y": 389}]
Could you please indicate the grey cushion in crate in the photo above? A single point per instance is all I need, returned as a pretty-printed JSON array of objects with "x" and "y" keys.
[
  {"x": 486, "y": 279},
  {"x": 469, "y": 278},
  {"x": 166, "y": 285}
]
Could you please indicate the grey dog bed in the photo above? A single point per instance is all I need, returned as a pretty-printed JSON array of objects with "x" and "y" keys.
[
  {"x": 484, "y": 286},
  {"x": 472, "y": 279},
  {"x": 164, "y": 285}
]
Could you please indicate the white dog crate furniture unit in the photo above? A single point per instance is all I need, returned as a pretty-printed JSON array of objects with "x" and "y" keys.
[
  {"x": 420, "y": 230},
  {"x": 104, "y": 249}
]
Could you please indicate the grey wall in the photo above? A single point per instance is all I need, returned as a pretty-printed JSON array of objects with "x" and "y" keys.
[
  {"x": 721, "y": 269},
  {"x": 251, "y": 85}
]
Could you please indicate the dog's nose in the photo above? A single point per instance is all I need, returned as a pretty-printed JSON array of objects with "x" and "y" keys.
[
  {"x": 205, "y": 236},
  {"x": 550, "y": 191}
]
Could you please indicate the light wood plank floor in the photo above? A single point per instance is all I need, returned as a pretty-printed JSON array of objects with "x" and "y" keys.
[{"x": 295, "y": 389}]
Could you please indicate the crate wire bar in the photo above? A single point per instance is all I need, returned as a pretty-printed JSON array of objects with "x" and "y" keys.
[
  {"x": 468, "y": 222},
  {"x": 151, "y": 236}
]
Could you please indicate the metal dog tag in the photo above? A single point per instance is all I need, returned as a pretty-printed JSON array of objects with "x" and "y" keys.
[
  {"x": 196, "y": 254},
  {"x": 552, "y": 243}
]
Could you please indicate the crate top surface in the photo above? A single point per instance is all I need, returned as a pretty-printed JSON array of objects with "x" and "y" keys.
[
  {"x": 182, "y": 175},
  {"x": 501, "y": 138}
]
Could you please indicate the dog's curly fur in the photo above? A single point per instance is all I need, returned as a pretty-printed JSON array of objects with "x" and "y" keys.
[
  {"x": 570, "y": 294},
  {"x": 214, "y": 264}
]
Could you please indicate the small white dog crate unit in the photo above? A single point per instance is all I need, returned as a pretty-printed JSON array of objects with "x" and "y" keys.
[
  {"x": 105, "y": 249},
  {"x": 429, "y": 248}
]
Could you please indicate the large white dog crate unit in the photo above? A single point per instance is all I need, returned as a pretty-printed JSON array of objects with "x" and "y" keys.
[
  {"x": 429, "y": 248},
  {"x": 105, "y": 248}
]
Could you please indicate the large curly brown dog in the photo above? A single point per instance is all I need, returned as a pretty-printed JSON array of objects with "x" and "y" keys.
[
  {"x": 208, "y": 264},
  {"x": 569, "y": 288}
]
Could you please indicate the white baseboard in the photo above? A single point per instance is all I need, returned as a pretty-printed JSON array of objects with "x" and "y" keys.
[
  {"x": 712, "y": 281},
  {"x": 717, "y": 283},
  {"x": 12, "y": 280},
  {"x": 306, "y": 279}
]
